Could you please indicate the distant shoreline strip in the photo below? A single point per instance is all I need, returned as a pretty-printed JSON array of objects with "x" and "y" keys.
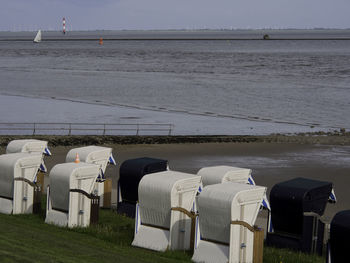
[{"x": 173, "y": 39}]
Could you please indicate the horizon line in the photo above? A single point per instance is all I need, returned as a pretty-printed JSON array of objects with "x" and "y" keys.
[{"x": 184, "y": 29}]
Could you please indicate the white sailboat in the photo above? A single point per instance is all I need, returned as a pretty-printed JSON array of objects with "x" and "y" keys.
[{"x": 37, "y": 38}]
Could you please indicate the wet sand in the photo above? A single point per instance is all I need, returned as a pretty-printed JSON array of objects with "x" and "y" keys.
[{"x": 183, "y": 122}]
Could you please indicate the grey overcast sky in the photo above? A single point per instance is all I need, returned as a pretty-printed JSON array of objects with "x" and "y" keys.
[{"x": 173, "y": 14}]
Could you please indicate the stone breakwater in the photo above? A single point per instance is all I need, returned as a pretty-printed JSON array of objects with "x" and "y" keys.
[{"x": 337, "y": 138}]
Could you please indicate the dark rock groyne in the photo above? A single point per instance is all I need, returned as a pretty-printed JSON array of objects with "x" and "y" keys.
[{"x": 337, "y": 137}]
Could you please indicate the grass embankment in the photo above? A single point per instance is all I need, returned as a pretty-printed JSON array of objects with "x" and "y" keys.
[{"x": 26, "y": 238}]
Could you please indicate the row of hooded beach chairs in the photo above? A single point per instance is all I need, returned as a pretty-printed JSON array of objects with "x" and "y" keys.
[
  {"x": 76, "y": 187},
  {"x": 166, "y": 207},
  {"x": 219, "y": 224},
  {"x": 212, "y": 212}
]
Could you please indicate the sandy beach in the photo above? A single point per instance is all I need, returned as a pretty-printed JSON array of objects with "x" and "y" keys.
[{"x": 271, "y": 162}]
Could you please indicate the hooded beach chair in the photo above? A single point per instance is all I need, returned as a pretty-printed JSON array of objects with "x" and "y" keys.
[
  {"x": 70, "y": 199},
  {"x": 18, "y": 173},
  {"x": 101, "y": 156},
  {"x": 338, "y": 243},
  {"x": 163, "y": 215},
  {"x": 225, "y": 174},
  {"x": 221, "y": 174},
  {"x": 225, "y": 225},
  {"x": 130, "y": 174},
  {"x": 296, "y": 208},
  {"x": 30, "y": 146}
]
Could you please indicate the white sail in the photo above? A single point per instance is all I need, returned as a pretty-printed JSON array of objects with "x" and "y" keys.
[{"x": 37, "y": 38}]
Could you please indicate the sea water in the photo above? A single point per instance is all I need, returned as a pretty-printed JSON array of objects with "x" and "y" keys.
[{"x": 304, "y": 82}]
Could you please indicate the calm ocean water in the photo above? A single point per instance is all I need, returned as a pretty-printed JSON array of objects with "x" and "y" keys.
[{"x": 295, "y": 81}]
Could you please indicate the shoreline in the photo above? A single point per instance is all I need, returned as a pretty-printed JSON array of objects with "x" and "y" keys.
[{"x": 323, "y": 138}]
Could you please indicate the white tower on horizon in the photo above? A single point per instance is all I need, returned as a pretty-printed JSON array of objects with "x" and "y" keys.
[{"x": 64, "y": 26}]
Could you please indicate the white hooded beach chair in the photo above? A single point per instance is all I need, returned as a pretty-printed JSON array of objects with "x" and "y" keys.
[
  {"x": 69, "y": 195},
  {"x": 101, "y": 156},
  {"x": 224, "y": 174},
  {"x": 224, "y": 228},
  {"x": 163, "y": 218},
  {"x": 18, "y": 172},
  {"x": 221, "y": 174},
  {"x": 30, "y": 146}
]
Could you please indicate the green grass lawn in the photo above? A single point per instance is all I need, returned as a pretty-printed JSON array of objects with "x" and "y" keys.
[{"x": 26, "y": 238}]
